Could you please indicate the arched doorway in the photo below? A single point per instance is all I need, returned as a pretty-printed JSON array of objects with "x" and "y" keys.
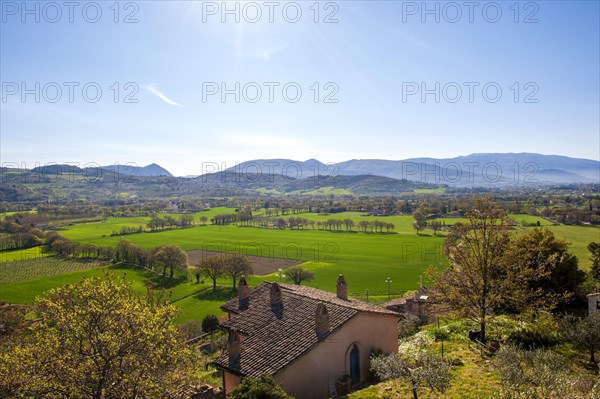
[{"x": 355, "y": 365}]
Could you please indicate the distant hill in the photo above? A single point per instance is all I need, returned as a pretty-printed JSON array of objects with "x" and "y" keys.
[
  {"x": 320, "y": 184},
  {"x": 134, "y": 170},
  {"x": 489, "y": 169}
]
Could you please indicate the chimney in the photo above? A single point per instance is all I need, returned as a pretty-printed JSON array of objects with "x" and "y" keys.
[
  {"x": 322, "y": 320},
  {"x": 275, "y": 294},
  {"x": 342, "y": 287},
  {"x": 244, "y": 291},
  {"x": 233, "y": 344}
]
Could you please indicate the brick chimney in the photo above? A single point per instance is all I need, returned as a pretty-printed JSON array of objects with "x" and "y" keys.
[
  {"x": 234, "y": 345},
  {"x": 244, "y": 291},
  {"x": 275, "y": 294},
  {"x": 322, "y": 319},
  {"x": 342, "y": 287}
]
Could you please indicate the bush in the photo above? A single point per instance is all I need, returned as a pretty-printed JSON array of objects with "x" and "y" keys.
[
  {"x": 408, "y": 326},
  {"x": 263, "y": 387},
  {"x": 191, "y": 329},
  {"x": 542, "y": 333},
  {"x": 210, "y": 323}
]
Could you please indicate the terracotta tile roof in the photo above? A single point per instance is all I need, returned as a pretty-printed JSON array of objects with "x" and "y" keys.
[{"x": 276, "y": 335}]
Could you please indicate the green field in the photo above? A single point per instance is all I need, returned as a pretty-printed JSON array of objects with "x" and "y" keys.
[
  {"x": 19, "y": 254},
  {"x": 323, "y": 191},
  {"x": 194, "y": 300},
  {"x": 579, "y": 237},
  {"x": 106, "y": 227},
  {"x": 520, "y": 218},
  {"x": 366, "y": 259}
]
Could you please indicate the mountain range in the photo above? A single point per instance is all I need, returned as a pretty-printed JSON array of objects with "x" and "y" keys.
[{"x": 489, "y": 169}]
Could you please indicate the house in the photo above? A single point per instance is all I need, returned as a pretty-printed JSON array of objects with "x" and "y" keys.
[{"x": 304, "y": 337}]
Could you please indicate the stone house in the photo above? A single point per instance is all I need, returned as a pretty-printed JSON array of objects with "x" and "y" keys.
[{"x": 304, "y": 337}]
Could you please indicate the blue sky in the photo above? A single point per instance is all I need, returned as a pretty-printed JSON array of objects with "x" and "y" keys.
[{"x": 371, "y": 61}]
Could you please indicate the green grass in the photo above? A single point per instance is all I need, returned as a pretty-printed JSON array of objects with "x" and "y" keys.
[
  {"x": 439, "y": 190},
  {"x": 25, "y": 292},
  {"x": 81, "y": 231},
  {"x": 366, "y": 259},
  {"x": 194, "y": 300},
  {"x": 323, "y": 191},
  {"x": 579, "y": 237},
  {"x": 520, "y": 218},
  {"x": 19, "y": 254}
]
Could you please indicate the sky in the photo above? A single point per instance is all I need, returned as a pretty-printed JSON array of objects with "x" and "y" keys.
[{"x": 185, "y": 84}]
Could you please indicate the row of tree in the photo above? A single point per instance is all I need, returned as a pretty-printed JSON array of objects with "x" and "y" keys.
[{"x": 169, "y": 222}]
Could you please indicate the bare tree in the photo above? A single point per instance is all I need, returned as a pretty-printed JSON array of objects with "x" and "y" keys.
[
  {"x": 474, "y": 281},
  {"x": 297, "y": 274},
  {"x": 236, "y": 266},
  {"x": 212, "y": 267},
  {"x": 583, "y": 333},
  {"x": 170, "y": 256},
  {"x": 424, "y": 371}
]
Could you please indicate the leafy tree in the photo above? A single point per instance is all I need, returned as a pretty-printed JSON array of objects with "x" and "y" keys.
[
  {"x": 541, "y": 271},
  {"x": 97, "y": 339},
  {"x": 583, "y": 333},
  {"x": 424, "y": 371},
  {"x": 420, "y": 220},
  {"x": 297, "y": 274},
  {"x": 263, "y": 387},
  {"x": 210, "y": 323},
  {"x": 170, "y": 256},
  {"x": 236, "y": 266},
  {"x": 212, "y": 267},
  {"x": 474, "y": 280},
  {"x": 594, "y": 248}
]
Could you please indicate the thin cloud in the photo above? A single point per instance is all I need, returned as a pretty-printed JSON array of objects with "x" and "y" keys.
[{"x": 152, "y": 89}]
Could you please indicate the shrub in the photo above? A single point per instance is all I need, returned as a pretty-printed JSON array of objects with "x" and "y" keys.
[
  {"x": 408, "y": 326},
  {"x": 541, "y": 333},
  {"x": 210, "y": 323},
  {"x": 263, "y": 387}
]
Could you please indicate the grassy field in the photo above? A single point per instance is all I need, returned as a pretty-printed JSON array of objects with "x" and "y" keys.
[
  {"x": 194, "y": 300},
  {"x": 579, "y": 237},
  {"x": 530, "y": 219},
  {"x": 366, "y": 259},
  {"x": 20, "y": 254}
]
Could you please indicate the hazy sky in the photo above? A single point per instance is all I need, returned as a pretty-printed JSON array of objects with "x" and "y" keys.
[{"x": 369, "y": 74}]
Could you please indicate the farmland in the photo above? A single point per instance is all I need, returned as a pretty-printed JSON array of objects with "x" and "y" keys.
[
  {"x": 20, "y": 254},
  {"x": 366, "y": 259},
  {"x": 33, "y": 268}
]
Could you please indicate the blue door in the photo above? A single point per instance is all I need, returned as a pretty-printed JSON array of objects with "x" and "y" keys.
[{"x": 355, "y": 365}]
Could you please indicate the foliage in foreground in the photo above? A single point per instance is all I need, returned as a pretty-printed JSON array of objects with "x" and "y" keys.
[
  {"x": 423, "y": 371},
  {"x": 263, "y": 387},
  {"x": 96, "y": 339},
  {"x": 540, "y": 374}
]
